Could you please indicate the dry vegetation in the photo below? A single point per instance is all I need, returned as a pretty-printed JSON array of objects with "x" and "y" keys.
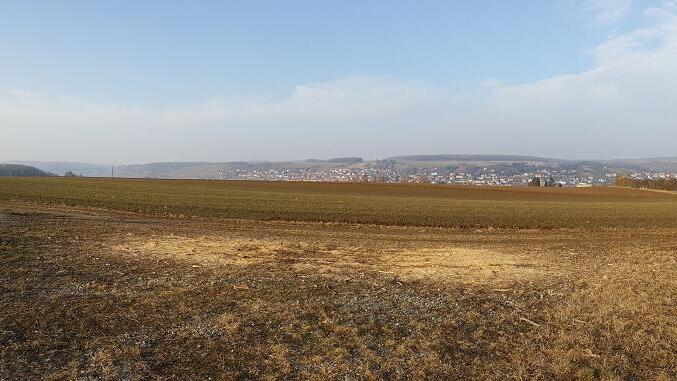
[
  {"x": 93, "y": 293},
  {"x": 669, "y": 184}
]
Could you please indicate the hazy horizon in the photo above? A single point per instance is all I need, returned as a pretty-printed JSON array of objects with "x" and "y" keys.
[
  {"x": 105, "y": 165},
  {"x": 141, "y": 82}
]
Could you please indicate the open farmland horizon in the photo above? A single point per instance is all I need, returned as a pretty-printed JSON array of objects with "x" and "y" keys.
[
  {"x": 387, "y": 204},
  {"x": 338, "y": 190}
]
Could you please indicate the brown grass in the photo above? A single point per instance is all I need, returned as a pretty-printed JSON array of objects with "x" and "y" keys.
[
  {"x": 91, "y": 294},
  {"x": 454, "y": 264}
]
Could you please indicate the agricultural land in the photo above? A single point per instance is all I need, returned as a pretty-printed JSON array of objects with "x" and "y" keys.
[{"x": 108, "y": 279}]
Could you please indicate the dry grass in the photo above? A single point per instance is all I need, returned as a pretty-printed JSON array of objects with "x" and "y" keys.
[
  {"x": 98, "y": 295},
  {"x": 451, "y": 264},
  {"x": 464, "y": 265}
]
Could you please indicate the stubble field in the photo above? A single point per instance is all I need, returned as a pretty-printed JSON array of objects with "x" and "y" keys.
[{"x": 147, "y": 279}]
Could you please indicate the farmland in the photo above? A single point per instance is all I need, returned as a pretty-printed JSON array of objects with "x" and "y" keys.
[
  {"x": 147, "y": 279},
  {"x": 384, "y": 204}
]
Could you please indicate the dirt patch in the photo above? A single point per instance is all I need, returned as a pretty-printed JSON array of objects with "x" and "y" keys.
[
  {"x": 460, "y": 264},
  {"x": 450, "y": 264},
  {"x": 216, "y": 250}
]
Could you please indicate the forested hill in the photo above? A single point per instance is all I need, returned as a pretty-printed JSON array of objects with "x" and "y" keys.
[
  {"x": 20, "y": 170},
  {"x": 470, "y": 158}
]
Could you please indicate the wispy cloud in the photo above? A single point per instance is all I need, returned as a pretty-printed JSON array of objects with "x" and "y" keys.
[
  {"x": 320, "y": 119},
  {"x": 608, "y": 12},
  {"x": 664, "y": 11},
  {"x": 623, "y": 106}
]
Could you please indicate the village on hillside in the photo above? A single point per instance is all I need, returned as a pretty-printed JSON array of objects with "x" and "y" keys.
[{"x": 392, "y": 173}]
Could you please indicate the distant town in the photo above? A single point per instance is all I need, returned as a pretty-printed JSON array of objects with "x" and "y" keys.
[
  {"x": 495, "y": 170},
  {"x": 391, "y": 173}
]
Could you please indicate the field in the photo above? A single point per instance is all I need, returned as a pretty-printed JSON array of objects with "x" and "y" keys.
[
  {"x": 147, "y": 279},
  {"x": 384, "y": 204}
]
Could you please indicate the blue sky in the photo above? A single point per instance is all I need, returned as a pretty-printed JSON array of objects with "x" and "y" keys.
[
  {"x": 290, "y": 79},
  {"x": 176, "y": 51}
]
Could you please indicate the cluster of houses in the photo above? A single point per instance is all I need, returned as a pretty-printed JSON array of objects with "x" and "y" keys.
[{"x": 542, "y": 177}]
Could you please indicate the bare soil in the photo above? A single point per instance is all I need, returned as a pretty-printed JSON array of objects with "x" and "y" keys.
[{"x": 91, "y": 294}]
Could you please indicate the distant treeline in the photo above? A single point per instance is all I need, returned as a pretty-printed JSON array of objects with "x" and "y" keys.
[
  {"x": 337, "y": 160},
  {"x": 658, "y": 184},
  {"x": 448, "y": 157},
  {"x": 21, "y": 170}
]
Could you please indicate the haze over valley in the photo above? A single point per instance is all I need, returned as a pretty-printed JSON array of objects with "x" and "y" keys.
[{"x": 436, "y": 169}]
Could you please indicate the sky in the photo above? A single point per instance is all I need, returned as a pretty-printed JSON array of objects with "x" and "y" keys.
[{"x": 144, "y": 81}]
